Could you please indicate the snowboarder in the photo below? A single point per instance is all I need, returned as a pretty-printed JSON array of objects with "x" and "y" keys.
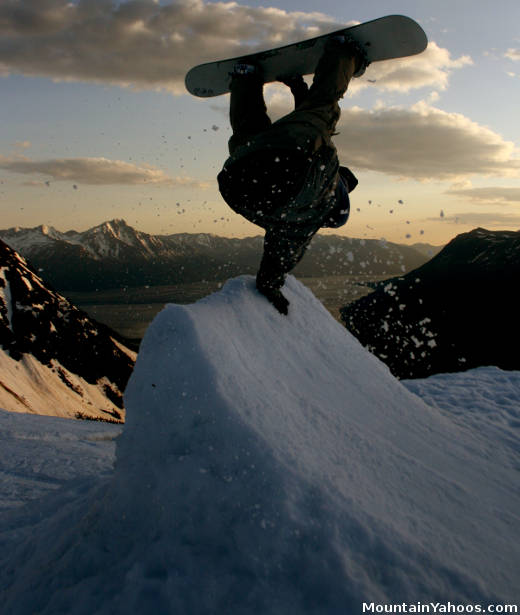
[{"x": 285, "y": 176}]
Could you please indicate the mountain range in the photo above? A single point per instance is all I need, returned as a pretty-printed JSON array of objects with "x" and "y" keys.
[
  {"x": 115, "y": 255},
  {"x": 457, "y": 311},
  {"x": 54, "y": 359}
]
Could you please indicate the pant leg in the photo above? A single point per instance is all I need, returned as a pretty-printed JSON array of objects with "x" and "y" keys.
[
  {"x": 331, "y": 78},
  {"x": 247, "y": 110},
  {"x": 314, "y": 120},
  {"x": 283, "y": 250}
]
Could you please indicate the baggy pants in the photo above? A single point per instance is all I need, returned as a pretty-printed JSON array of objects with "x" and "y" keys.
[{"x": 309, "y": 127}]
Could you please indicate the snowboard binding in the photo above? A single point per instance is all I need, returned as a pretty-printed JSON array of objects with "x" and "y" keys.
[{"x": 241, "y": 70}]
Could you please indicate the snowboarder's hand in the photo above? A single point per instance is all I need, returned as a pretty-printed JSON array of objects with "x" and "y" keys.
[
  {"x": 299, "y": 88},
  {"x": 275, "y": 297},
  {"x": 293, "y": 81}
]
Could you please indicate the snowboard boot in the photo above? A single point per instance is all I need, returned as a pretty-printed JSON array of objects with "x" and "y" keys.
[
  {"x": 247, "y": 110},
  {"x": 346, "y": 44}
]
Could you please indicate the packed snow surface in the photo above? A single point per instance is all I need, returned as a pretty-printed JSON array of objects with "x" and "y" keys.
[
  {"x": 271, "y": 465},
  {"x": 40, "y": 455}
]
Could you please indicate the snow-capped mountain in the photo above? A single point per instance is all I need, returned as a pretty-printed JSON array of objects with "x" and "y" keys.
[
  {"x": 114, "y": 239},
  {"x": 53, "y": 358},
  {"x": 114, "y": 255},
  {"x": 456, "y": 312}
]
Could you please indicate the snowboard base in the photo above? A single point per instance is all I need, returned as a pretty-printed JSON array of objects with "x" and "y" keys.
[{"x": 386, "y": 38}]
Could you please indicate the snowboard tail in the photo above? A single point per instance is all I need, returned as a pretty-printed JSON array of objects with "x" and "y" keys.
[{"x": 386, "y": 38}]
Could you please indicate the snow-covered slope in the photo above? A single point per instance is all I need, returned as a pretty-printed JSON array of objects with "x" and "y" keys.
[
  {"x": 271, "y": 465},
  {"x": 53, "y": 358},
  {"x": 43, "y": 454},
  {"x": 39, "y": 454},
  {"x": 485, "y": 401}
]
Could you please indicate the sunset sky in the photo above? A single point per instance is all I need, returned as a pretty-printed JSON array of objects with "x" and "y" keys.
[{"x": 95, "y": 122}]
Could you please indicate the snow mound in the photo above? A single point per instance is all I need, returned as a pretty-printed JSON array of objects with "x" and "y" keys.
[{"x": 271, "y": 465}]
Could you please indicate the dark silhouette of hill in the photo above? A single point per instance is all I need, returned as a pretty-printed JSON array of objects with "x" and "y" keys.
[{"x": 455, "y": 312}]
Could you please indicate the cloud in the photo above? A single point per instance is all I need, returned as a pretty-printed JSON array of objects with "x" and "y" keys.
[
  {"x": 142, "y": 43},
  {"x": 147, "y": 44},
  {"x": 95, "y": 171},
  {"x": 489, "y": 195},
  {"x": 423, "y": 143},
  {"x": 431, "y": 68},
  {"x": 513, "y": 54},
  {"x": 483, "y": 219},
  {"x": 19, "y": 145}
]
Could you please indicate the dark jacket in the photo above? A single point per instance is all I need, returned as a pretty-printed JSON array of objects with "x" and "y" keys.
[{"x": 275, "y": 186}]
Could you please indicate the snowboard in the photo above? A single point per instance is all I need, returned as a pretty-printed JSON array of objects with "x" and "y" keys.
[{"x": 393, "y": 36}]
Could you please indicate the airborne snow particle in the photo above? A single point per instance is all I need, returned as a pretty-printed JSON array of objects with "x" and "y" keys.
[{"x": 215, "y": 128}]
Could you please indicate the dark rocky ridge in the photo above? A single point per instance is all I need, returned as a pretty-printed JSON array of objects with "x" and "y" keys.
[
  {"x": 37, "y": 321},
  {"x": 456, "y": 312}
]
